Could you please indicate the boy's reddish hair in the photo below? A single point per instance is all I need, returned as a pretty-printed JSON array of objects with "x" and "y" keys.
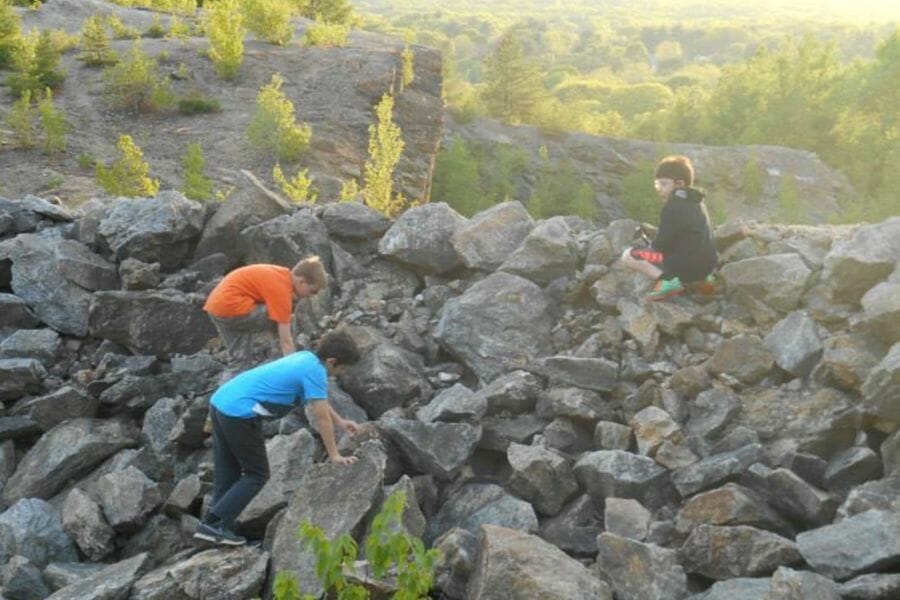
[{"x": 676, "y": 167}]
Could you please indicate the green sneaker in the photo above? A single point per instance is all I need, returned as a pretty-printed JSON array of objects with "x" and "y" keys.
[{"x": 665, "y": 288}]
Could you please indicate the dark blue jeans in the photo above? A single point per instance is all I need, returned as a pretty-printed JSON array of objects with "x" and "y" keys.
[{"x": 241, "y": 465}]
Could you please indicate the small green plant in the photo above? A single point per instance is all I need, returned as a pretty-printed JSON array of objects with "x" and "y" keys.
[
  {"x": 197, "y": 185},
  {"x": 270, "y": 20},
  {"x": 135, "y": 83},
  {"x": 10, "y": 33},
  {"x": 21, "y": 121},
  {"x": 389, "y": 549},
  {"x": 407, "y": 69},
  {"x": 129, "y": 175},
  {"x": 321, "y": 33},
  {"x": 156, "y": 29},
  {"x": 385, "y": 148},
  {"x": 195, "y": 103},
  {"x": 560, "y": 191},
  {"x": 120, "y": 30},
  {"x": 182, "y": 72},
  {"x": 274, "y": 127},
  {"x": 95, "y": 48},
  {"x": 789, "y": 210},
  {"x": 639, "y": 200},
  {"x": 53, "y": 123},
  {"x": 753, "y": 181},
  {"x": 178, "y": 29},
  {"x": 86, "y": 162},
  {"x": 225, "y": 27},
  {"x": 36, "y": 64},
  {"x": 349, "y": 190},
  {"x": 299, "y": 189}
]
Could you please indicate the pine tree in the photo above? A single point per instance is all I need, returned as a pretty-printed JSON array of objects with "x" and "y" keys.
[
  {"x": 197, "y": 185},
  {"x": 95, "y": 48},
  {"x": 330, "y": 11},
  {"x": 10, "y": 33},
  {"x": 385, "y": 148},
  {"x": 53, "y": 123},
  {"x": 21, "y": 120},
  {"x": 129, "y": 175},
  {"x": 226, "y": 31},
  {"x": 270, "y": 20},
  {"x": 36, "y": 62},
  {"x": 407, "y": 72},
  {"x": 513, "y": 90},
  {"x": 274, "y": 127}
]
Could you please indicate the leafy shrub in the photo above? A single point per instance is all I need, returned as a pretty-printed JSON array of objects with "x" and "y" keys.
[
  {"x": 270, "y": 20},
  {"x": 407, "y": 70},
  {"x": 789, "y": 210},
  {"x": 196, "y": 185},
  {"x": 120, "y": 30},
  {"x": 194, "y": 102},
  {"x": 385, "y": 148},
  {"x": 274, "y": 127},
  {"x": 156, "y": 29},
  {"x": 95, "y": 48},
  {"x": 299, "y": 189},
  {"x": 349, "y": 190},
  {"x": 10, "y": 33},
  {"x": 560, "y": 191},
  {"x": 178, "y": 29},
  {"x": 322, "y": 33},
  {"x": 135, "y": 83},
  {"x": 129, "y": 175},
  {"x": 225, "y": 27},
  {"x": 456, "y": 180},
  {"x": 331, "y": 11},
  {"x": 53, "y": 123},
  {"x": 36, "y": 64},
  {"x": 20, "y": 120}
]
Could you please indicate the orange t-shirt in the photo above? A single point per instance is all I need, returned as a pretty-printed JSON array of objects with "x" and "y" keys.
[{"x": 242, "y": 289}]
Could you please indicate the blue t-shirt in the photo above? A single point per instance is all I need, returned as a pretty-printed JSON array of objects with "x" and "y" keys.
[{"x": 277, "y": 386}]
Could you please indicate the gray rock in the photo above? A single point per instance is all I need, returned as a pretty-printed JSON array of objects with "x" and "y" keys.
[
  {"x": 440, "y": 449},
  {"x": 569, "y": 436},
  {"x": 59, "y": 575},
  {"x": 17, "y": 427},
  {"x": 881, "y": 313},
  {"x": 674, "y": 456},
  {"x": 790, "y": 495},
  {"x": 574, "y": 403},
  {"x": 386, "y": 377},
  {"x": 598, "y": 374},
  {"x": 865, "y": 542},
  {"x": 575, "y": 529},
  {"x": 512, "y": 564},
  {"x": 875, "y": 586},
  {"x": 40, "y": 344},
  {"x": 743, "y": 357},
  {"x": 739, "y": 588},
  {"x": 20, "y": 376},
  {"x": 83, "y": 520},
  {"x": 27, "y": 213},
  {"x": 846, "y": 361},
  {"x": 23, "y": 581},
  {"x": 286, "y": 239},
  {"x": 497, "y": 433},
  {"x": 731, "y": 504},
  {"x": 794, "y": 343},
  {"x": 715, "y": 470},
  {"x": 85, "y": 268},
  {"x": 711, "y": 412},
  {"x": 138, "y": 275},
  {"x": 779, "y": 280},
  {"x": 183, "y": 496},
  {"x": 113, "y": 581},
  {"x": 143, "y": 321},
  {"x": 788, "y": 584},
  {"x": 852, "y": 467},
  {"x": 453, "y": 570},
  {"x": 455, "y": 404},
  {"x": 160, "y": 229},
  {"x": 861, "y": 260},
  {"x": 33, "y": 528},
  {"x": 159, "y": 420},
  {"x": 477, "y": 504},
  {"x": 639, "y": 571},
  {"x": 626, "y": 518},
  {"x": 486, "y": 240},
  {"x": 514, "y": 392},
  {"x": 542, "y": 477},
  {"x": 638, "y": 322},
  {"x": 354, "y": 220},
  {"x": 127, "y": 497},
  {"x": 652, "y": 426},
  {"x": 882, "y": 387},
  {"x": 736, "y": 551},
  {"x": 7, "y": 461},
  {"x": 609, "y": 435},
  {"x": 161, "y": 538},
  {"x": 500, "y": 323},
  {"x": 15, "y": 314},
  {"x": 621, "y": 474},
  {"x": 548, "y": 252},
  {"x": 690, "y": 381},
  {"x": 421, "y": 238},
  {"x": 67, "y": 451},
  {"x": 882, "y": 494},
  {"x": 51, "y": 409},
  {"x": 230, "y": 574}
]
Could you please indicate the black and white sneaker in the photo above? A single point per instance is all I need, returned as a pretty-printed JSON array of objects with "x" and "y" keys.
[{"x": 218, "y": 535}]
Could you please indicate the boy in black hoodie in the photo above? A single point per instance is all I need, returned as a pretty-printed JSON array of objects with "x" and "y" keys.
[{"x": 683, "y": 253}]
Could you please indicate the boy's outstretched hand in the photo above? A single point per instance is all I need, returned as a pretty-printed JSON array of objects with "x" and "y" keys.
[
  {"x": 350, "y": 427},
  {"x": 343, "y": 460}
]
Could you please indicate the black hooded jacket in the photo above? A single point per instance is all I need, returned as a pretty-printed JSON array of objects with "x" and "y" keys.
[{"x": 685, "y": 238}]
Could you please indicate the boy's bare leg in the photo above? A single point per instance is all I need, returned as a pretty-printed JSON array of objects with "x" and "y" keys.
[{"x": 641, "y": 266}]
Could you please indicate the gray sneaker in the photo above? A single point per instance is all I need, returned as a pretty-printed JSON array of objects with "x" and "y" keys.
[{"x": 218, "y": 534}]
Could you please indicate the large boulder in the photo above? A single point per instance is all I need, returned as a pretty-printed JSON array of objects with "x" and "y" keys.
[
  {"x": 736, "y": 551},
  {"x": 548, "y": 252},
  {"x": 15, "y": 314},
  {"x": 794, "y": 343},
  {"x": 84, "y": 267},
  {"x": 779, "y": 280},
  {"x": 20, "y": 376},
  {"x": 226, "y": 573},
  {"x": 286, "y": 239},
  {"x": 881, "y": 312},
  {"x": 385, "y": 377},
  {"x": 621, "y": 474},
  {"x": 33, "y": 528},
  {"x": 859, "y": 261},
  {"x": 477, "y": 504},
  {"x": 112, "y": 581},
  {"x": 440, "y": 449},
  {"x": 488, "y": 238},
  {"x": 500, "y": 323},
  {"x": 354, "y": 220},
  {"x": 541, "y": 476},
  {"x": 639, "y": 571},
  {"x": 421, "y": 238},
  {"x": 882, "y": 387},
  {"x": 862, "y": 543}
]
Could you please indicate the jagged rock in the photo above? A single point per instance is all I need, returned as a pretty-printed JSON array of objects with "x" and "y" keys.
[
  {"x": 575, "y": 528},
  {"x": 626, "y": 518},
  {"x": 609, "y": 435},
  {"x": 569, "y": 436},
  {"x": 541, "y": 476},
  {"x": 455, "y": 404},
  {"x": 137, "y": 275},
  {"x": 453, "y": 570},
  {"x": 859, "y": 261},
  {"x": 790, "y": 495},
  {"x": 354, "y": 220},
  {"x": 652, "y": 426},
  {"x": 188, "y": 430},
  {"x": 33, "y": 528},
  {"x": 548, "y": 252},
  {"x": 794, "y": 343},
  {"x": 286, "y": 239},
  {"x": 875, "y": 586},
  {"x": 36, "y": 279},
  {"x": 715, "y": 470},
  {"x": 83, "y": 520},
  {"x": 846, "y": 360},
  {"x": 573, "y": 403},
  {"x": 488, "y": 238},
  {"x": 779, "y": 280},
  {"x": 23, "y": 581},
  {"x": 731, "y": 504},
  {"x": 159, "y": 420},
  {"x": 882, "y": 494},
  {"x": 59, "y": 575},
  {"x": 477, "y": 504},
  {"x": 421, "y": 238},
  {"x": 711, "y": 412},
  {"x": 15, "y": 314},
  {"x": 689, "y": 381},
  {"x": 127, "y": 498},
  {"x": 245, "y": 207},
  {"x": 881, "y": 312},
  {"x": 85, "y": 268},
  {"x": 737, "y": 588},
  {"x": 788, "y": 584},
  {"x": 882, "y": 387},
  {"x": 736, "y": 551},
  {"x": 144, "y": 321},
  {"x": 160, "y": 538},
  {"x": 113, "y": 581},
  {"x": 638, "y": 322},
  {"x": 598, "y": 374},
  {"x": 161, "y": 229},
  {"x": 316, "y": 499},
  {"x": 289, "y": 458},
  {"x": 17, "y": 427},
  {"x": 440, "y": 449},
  {"x": 671, "y": 318},
  {"x": 809, "y": 467},
  {"x": 497, "y": 433},
  {"x": 864, "y": 542},
  {"x": 500, "y": 323},
  {"x": 513, "y": 564},
  {"x": 51, "y": 409},
  {"x": 621, "y": 474},
  {"x": 674, "y": 456},
  {"x": 185, "y": 494},
  {"x": 851, "y": 467},
  {"x": 7, "y": 461},
  {"x": 385, "y": 377},
  {"x": 743, "y": 357},
  {"x": 20, "y": 376},
  {"x": 67, "y": 451},
  {"x": 639, "y": 571},
  {"x": 40, "y": 344},
  {"x": 27, "y": 213}
]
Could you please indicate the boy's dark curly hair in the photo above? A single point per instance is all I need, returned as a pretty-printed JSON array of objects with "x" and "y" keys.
[{"x": 339, "y": 346}]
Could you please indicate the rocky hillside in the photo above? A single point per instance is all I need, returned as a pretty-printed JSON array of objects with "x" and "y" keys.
[
  {"x": 334, "y": 90},
  {"x": 560, "y": 438}
]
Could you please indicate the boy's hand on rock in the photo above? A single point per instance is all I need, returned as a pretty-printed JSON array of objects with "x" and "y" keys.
[{"x": 343, "y": 460}]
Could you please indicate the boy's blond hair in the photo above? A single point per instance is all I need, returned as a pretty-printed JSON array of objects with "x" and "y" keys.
[{"x": 312, "y": 271}]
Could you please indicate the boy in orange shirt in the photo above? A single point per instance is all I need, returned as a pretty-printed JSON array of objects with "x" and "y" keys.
[{"x": 249, "y": 300}]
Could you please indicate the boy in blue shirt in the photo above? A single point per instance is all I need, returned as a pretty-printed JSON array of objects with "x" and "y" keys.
[{"x": 269, "y": 391}]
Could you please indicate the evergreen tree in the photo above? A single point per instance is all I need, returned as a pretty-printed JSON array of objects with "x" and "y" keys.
[
  {"x": 385, "y": 148},
  {"x": 53, "y": 123},
  {"x": 456, "y": 180},
  {"x": 129, "y": 175},
  {"x": 226, "y": 31},
  {"x": 10, "y": 33},
  {"x": 513, "y": 89},
  {"x": 196, "y": 185},
  {"x": 21, "y": 120},
  {"x": 274, "y": 126},
  {"x": 330, "y": 11},
  {"x": 95, "y": 48},
  {"x": 36, "y": 63}
]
